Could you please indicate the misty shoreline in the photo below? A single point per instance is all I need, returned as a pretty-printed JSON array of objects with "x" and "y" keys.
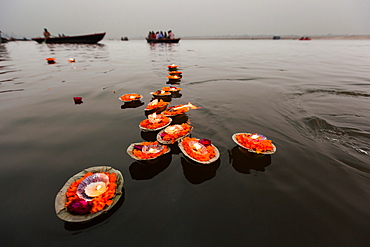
[{"x": 287, "y": 37}]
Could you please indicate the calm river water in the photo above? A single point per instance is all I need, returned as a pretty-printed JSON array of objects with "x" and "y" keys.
[{"x": 311, "y": 98}]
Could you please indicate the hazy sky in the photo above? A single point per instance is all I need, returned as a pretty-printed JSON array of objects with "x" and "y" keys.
[{"x": 134, "y": 18}]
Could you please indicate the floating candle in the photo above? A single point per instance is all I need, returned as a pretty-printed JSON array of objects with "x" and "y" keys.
[
  {"x": 197, "y": 147},
  {"x": 95, "y": 189},
  {"x": 173, "y": 129}
]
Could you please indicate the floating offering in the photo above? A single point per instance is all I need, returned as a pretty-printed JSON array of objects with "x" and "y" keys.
[
  {"x": 155, "y": 122},
  {"x": 50, "y": 60},
  {"x": 161, "y": 93},
  {"x": 158, "y": 105},
  {"x": 179, "y": 109},
  {"x": 130, "y": 97},
  {"x": 171, "y": 89},
  {"x": 174, "y": 77},
  {"x": 71, "y": 60},
  {"x": 147, "y": 150},
  {"x": 199, "y": 150},
  {"x": 175, "y": 72},
  {"x": 172, "y": 66},
  {"x": 254, "y": 143},
  {"x": 77, "y": 100},
  {"x": 89, "y": 194},
  {"x": 174, "y": 133}
]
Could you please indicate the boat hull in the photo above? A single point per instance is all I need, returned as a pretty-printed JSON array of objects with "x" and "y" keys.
[
  {"x": 83, "y": 39},
  {"x": 163, "y": 40}
]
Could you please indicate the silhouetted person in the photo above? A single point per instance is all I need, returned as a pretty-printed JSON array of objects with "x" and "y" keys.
[{"x": 46, "y": 33}]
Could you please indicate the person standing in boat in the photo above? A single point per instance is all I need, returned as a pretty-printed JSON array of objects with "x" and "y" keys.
[
  {"x": 46, "y": 33},
  {"x": 171, "y": 35}
]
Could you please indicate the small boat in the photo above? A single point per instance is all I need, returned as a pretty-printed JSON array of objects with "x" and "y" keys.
[
  {"x": 304, "y": 38},
  {"x": 163, "y": 40},
  {"x": 83, "y": 39}
]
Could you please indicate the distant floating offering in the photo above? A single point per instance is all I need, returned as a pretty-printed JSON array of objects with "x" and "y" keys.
[
  {"x": 130, "y": 97},
  {"x": 157, "y": 106},
  {"x": 50, "y": 60},
  {"x": 161, "y": 93},
  {"x": 71, "y": 60},
  {"x": 254, "y": 143},
  {"x": 89, "y": 193},
  {"x": 199, "y": 150},
  {"x": 174, "y": 133},
  {"x": 175, "y": 72},
  {"x": 179, "y": 109},
  {"x": 77, "y": 100},
  {"x": 155, "y": 122},
  {"x": 174, "y": 77},
  {"x": 147, "y": 150},
  {"x": 171, "y": 89},
  {"x": 172, "y": 66}
]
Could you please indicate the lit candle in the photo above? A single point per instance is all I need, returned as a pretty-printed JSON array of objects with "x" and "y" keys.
[
  {"x": 170, "y": 130},
  {"x": 255, "y": 136},
  {"x": 197, "y": 146},
  {"x": 95, "y": 189}
]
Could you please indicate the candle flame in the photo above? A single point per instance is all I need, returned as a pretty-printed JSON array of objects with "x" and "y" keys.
[
  {"x": 197, "y": 146},
  {"x": 98, "y": 187}
]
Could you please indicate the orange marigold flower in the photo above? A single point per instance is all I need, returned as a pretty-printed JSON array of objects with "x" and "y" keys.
[{"x": 99, "y": 202}]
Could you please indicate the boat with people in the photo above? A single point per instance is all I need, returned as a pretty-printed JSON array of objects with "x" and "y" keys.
[
  {"x": 163, "y": 40},
  {"x": 304, "y": 38},
  {"x": 162, "y": 37},
  {"x": 83, "y": 39}
]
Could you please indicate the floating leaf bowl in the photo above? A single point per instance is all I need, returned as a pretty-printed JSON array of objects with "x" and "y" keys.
[
  {"x": 251, "y": 150},
  {"x": 217, "y": 156},
  {"x": 172, "y": 141},
  {"x": 130, "y": 151},
  {"x": 125, "y": 99},
  {"x": 61, "y": 198},
  {"x": 156, "y": 129}
]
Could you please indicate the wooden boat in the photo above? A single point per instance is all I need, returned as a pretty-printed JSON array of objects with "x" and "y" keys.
[
  {"x": 163, "y": 40},
  {"x": 83, "y": 39}
]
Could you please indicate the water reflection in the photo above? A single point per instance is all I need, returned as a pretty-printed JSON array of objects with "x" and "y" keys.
[
  {"x": 132, "y": 104},
  {"x": 196, "y": 173},
  {"x": 80, "y": 226},
  {"x": 176, "y": 95},
  {"x": 144, "y": 170},
  {"x": 244, "y": 161},
  {"x": 163, "y": 47},
  {"x": 149, "y": 136},
  {"x": 179, "y": 119}
]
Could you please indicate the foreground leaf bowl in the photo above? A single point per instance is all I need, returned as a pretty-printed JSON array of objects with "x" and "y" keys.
[{"x": 61, "y": 198}]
